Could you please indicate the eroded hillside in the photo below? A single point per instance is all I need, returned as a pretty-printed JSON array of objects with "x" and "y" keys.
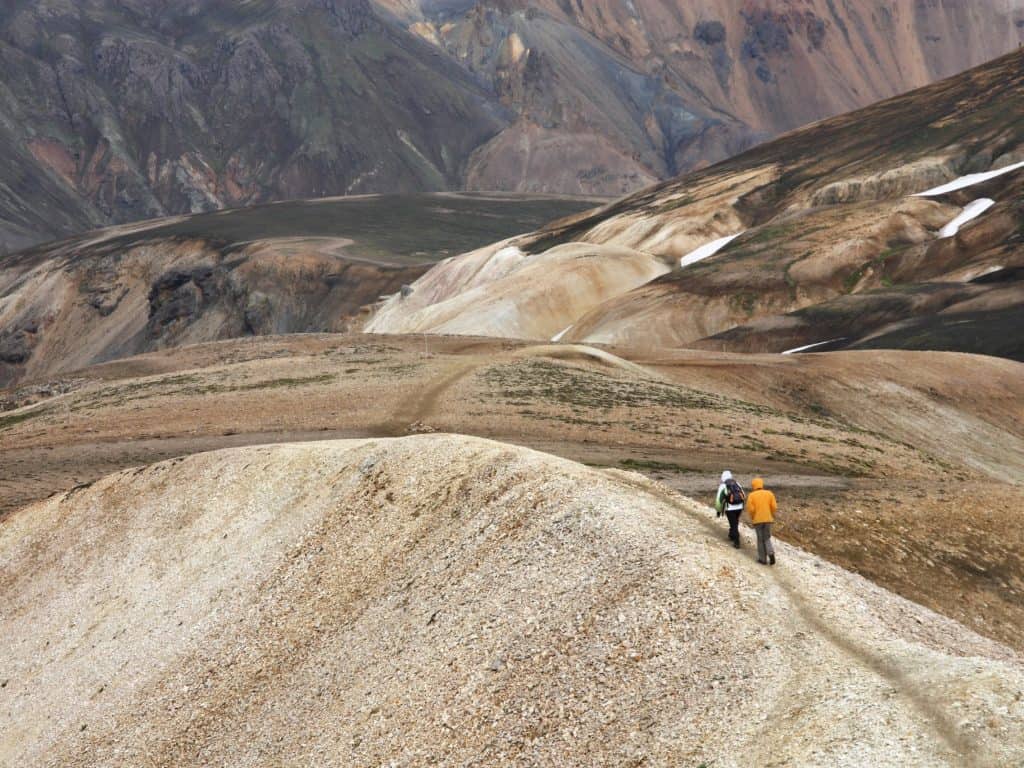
[
  {"x": 283, "y": 268},
  {"x": 609, "y": 95}
]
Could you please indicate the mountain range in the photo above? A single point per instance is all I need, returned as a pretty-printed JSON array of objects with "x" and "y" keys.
[{"x": 118, "y": 110}]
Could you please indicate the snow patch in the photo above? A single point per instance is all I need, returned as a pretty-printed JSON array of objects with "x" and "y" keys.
[
  {"x": 406, "y": 139},
  {"x": 559, "y": 336},
  {"x": 989, "y": 271},
  {"x": 969, "y": 181},
  {"x": 707, "y": 250},
  {"x": 970, "y": 213},
  {"x": 812, "y": 346}
]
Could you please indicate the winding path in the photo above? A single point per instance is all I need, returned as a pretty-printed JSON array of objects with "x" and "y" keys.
[{"x": 965, "y": 750}]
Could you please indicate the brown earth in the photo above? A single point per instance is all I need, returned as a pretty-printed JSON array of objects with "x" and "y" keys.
[{"x": 905, "y": 467}]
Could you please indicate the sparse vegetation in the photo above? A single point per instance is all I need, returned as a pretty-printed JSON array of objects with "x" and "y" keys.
[
  {"x": 11, "y": 420},
  {"x": 549, "y": 382},
  {"x": 301, "y": 381},
  {"x": 651, "y": 465},
  {"x": 675, "y": 204}
]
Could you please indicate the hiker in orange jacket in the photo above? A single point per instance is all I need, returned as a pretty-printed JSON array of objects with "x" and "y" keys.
[{"x": 762, "y": 506}]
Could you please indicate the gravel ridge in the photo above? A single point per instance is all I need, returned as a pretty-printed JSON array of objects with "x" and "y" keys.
[{"x": 447, "y": 600}]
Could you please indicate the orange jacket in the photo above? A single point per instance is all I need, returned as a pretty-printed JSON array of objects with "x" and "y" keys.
[{"x": 761, "y": 504}]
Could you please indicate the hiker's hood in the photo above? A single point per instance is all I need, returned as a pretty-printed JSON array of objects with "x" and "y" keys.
[
  {"x": 727, "y": 475},
  {"x": 758, "y": 484}
]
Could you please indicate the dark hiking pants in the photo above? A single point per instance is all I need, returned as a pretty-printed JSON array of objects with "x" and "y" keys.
[
  {"x": 765, "y": 548},
  {"x": 734, "y": 523}
]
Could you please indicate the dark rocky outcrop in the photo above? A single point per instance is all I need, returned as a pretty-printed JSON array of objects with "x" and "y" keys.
[
  {"x": 710, "y": 32},
  {"x": 17, "y": 343},
  {"x": 178, "y": 297}
]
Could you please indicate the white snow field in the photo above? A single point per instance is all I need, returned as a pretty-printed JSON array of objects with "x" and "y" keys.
[
  {"x": 559, "y": 336},
  {"x": 812, "y": 346},
  {"x": 707, "y": 250},
  {"x": 969, "y": 181},
  {"x": 968, "y": 214}
]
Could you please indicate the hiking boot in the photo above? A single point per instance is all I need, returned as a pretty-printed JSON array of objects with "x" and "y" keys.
[
  {"x": 762, "y": 562},
  {"x": 771, "y": 559}
]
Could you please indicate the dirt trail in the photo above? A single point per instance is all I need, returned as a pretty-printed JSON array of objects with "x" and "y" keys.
[
  {"x": 968, "y": 751},
  {"x": 576, "y": 351},
  {"x": 416, "y": 411}
]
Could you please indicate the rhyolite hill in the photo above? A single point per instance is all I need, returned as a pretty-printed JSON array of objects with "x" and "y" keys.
[{"x": 833, "y": 235}]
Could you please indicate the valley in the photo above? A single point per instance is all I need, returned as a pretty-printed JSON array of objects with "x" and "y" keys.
[{"x": 284, "y": 268}]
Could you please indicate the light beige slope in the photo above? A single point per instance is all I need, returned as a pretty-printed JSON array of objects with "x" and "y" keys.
[
  {"x": 450, "y": 600},
  {"x": 469, "y": 294},
  {"x": 506, "y": 293}
]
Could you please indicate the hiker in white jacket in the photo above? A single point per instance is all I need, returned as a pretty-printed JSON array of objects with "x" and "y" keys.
[{"x": 729, "y": 501}]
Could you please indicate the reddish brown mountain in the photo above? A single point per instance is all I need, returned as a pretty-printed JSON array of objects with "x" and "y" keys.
[{"x": 117, "y": 111}]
